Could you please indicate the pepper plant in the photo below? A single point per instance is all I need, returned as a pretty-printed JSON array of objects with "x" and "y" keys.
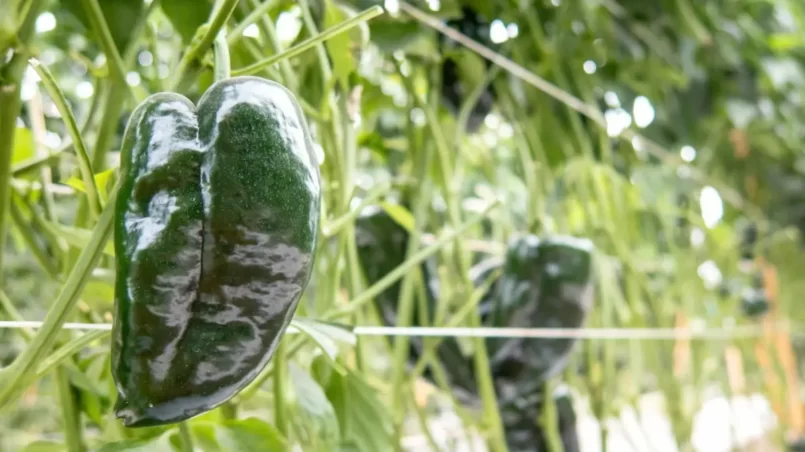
[{"x": 542, "y": 163}]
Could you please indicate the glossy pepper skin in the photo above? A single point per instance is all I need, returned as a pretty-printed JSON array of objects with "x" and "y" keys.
[
  {"x": 382, "y": 245},
  {"x": 215, "y": 232},
  {"x": 545, "y": 283}
]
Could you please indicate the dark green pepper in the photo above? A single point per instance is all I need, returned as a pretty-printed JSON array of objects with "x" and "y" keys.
[
  {"x": 796, "y": 445},
  {"x": 215, "y": 232},
  {"x": 382, "y": 245},
  {"x": 545, "y": 284},
  {"x": 525, "y": 433},
  {"x": 754, "y": 303}
]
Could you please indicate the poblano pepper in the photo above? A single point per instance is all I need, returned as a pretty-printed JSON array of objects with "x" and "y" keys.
[
  {"x": 382, "y": 244},
  {"x": 215, "y": 232},
  {"x": 545, "y": 284}
]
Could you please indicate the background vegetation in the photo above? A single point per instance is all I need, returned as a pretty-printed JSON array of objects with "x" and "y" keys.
[{"x": 669, "y": 132}]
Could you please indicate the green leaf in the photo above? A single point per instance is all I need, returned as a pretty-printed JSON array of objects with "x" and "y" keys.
[
  {"x": 339, "y": 46},
  {"x": 99, "y": 295},
  {"x": 315, "y": 417},
  {"x": 187, "y": 15},
  {"x": 400, "y": 215},
  {"x": 204, "y": 437},
  {"x": 102, "y": 181},
  {"x": 471, "y": 67},
  {"x": 249, "y": 435},
  {"x": 364, "y": 420},
  {"x": 121, "y": 16},
  {"x": 409, "y": 37},
  {"x": 23, "y": 145},
  {"x": 158, "y": 444}
]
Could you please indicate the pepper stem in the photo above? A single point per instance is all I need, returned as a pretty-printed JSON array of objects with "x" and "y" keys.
[{"x": 221, "y": 51}]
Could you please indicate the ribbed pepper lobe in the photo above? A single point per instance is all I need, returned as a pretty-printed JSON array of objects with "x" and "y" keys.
[{"x": 215, "y": 234}]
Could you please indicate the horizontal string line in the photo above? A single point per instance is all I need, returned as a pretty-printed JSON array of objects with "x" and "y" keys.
[{"x": 514, "y": 333}]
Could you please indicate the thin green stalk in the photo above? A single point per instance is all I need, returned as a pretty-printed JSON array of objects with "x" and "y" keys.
[
  {"x": 11, "y": 73},
  {"x": 280, "y": 421},
  {"x": 549, "y": 418},
  {"x": 101, "y": 29},
  {"x": 698, "y": 29},
  {"x": 266, "y": 26},
  {"x": 153, "y": 47},
  {"x": 258, "y": 12},
  {"x": 221, "y": 51},
  {"x": 414, "y": 260},
  {"x": 63, "y": 354},
  {"x": 334, "y": 227},
  {"x": 33, "y": 163},
  {"x": 311, "y": 42},
  {"x": 16, "y": 375},
  {"x": 112, "y": 109},
  {"x": 449, "y": 188},
  {"x": 729, "y": 194},
  {"x": 487, "y": 389},
  {"x": 272, "y": 73},
  {"x": 7, "y": 305},
  {"x": 71, "y": 417},
  {"x": 198, "y": 47},
  {"x": 9, "y": 108},
  {"x": 10, "y": 77},
  {"x": 38, "y": 129},
  {"x": 66, "y": 112},
  {"x": 185, "y": 438},
  {"x": 251, "y": 389},
  {"x": 55, "y": 156},
  {"x": 405, "y": 305},
  {"x": 130, "y": 53},
  {"x": 469, "y": 104},
  {"x": 429, "y": 352},
  {"x": 324, "y": 61},
  {"x": 27, "y": 234}
]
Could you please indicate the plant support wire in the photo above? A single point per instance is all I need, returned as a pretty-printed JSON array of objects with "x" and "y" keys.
[{"x": 747, "y": 331}]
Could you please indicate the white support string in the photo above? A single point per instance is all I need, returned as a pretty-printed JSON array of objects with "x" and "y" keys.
[{"x": 746, "y": 331}]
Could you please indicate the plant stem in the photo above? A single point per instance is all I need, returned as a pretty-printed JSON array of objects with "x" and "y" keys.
[
  {"x": 279, "y": 389},
  {"x": 549, "y": 419},
  {"x": 28, "y": 236},
  {"x": 101, "y": 29},
  {"x": 405, "y": 307},
  {"x": 334, "y": 227},
  {"x": 414, "y": 260},
  {"x": 10, "y": 77},
  {"x": 267, "y": 27},
  {"x": 185, "y": 438},
  {"x": 9, "y": 108},
  {"x": 190, "y": 59},
  {"x": 221, "y": 51},
  {"x": 66, "y": 112},
  {"x": 16, "y": 375},
  {"x": 112, "y": 109},
  {"x": 71, "y": 417},
  {"x": 311, "y": 42}
]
